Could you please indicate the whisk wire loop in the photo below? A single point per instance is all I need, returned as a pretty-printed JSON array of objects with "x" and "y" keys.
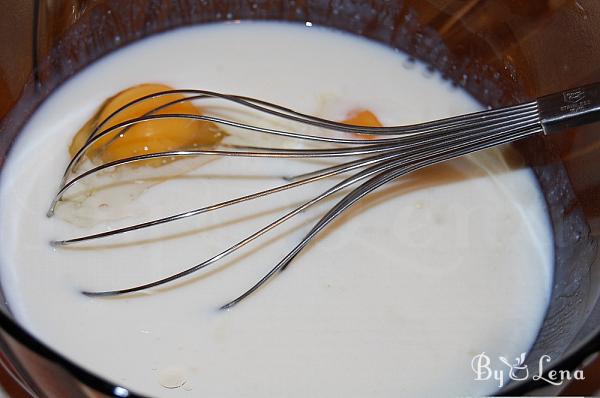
[{"x": 392, "y": 153}]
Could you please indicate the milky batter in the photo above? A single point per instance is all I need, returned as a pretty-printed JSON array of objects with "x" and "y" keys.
[{"x": 394, "y": 299}]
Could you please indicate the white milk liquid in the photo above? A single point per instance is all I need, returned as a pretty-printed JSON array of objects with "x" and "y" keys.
[{"x": 394, "y": 299}]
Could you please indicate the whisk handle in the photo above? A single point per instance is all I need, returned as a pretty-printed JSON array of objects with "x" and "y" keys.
[{"x": 570, "y": 108}]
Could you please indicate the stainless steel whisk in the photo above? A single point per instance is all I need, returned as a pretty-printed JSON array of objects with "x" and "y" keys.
[{"x": 399, "y": 151}]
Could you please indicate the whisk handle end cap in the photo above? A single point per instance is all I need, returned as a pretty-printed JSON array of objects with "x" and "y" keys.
[{"x": 570, "y": 108}]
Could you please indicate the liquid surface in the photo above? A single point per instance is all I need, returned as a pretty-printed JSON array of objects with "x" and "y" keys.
[{"x": 394, "y": 299}]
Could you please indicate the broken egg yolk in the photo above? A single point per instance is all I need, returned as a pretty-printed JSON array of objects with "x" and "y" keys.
[
  {"x": 152, "y": 136},
  {"x": 364, "y": 118}
]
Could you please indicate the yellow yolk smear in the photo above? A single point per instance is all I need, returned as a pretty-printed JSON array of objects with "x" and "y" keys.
[
  {"x": 153, "y": 136},
  {"x": 112, "y": 195},
  {"x": 363, "y": 118}
]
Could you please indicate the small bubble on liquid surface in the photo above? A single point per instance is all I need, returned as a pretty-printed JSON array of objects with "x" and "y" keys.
[
  {"x": 409, "y": 63},
  {"x": 172, "y": 377}
]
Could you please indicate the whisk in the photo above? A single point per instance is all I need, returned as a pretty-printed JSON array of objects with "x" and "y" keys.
[{"x": 392, "y": 152}]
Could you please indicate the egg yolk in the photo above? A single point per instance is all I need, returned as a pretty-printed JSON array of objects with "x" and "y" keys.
[
  {"x": 147, "y": 137},
  {"x": 364, "y": 118}
]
